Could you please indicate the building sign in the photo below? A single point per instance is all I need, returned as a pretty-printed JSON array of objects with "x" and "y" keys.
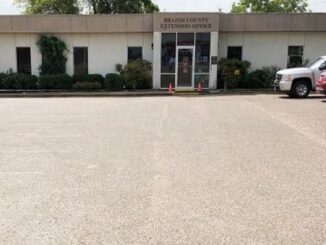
[
  {"x": 214, "y": 60},
  {"x": 186, "y": 23},
  {"x": 199, "y": 22}
]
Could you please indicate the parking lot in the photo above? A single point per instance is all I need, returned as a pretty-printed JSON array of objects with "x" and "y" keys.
[{"x": 242, "y": 169}]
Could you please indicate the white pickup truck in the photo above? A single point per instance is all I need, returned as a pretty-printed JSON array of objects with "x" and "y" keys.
[{"x": 299, "y": 82}]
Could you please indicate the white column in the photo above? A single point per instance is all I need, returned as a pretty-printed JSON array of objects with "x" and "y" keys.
[
  {"x": 68, "y": 39},
  {"x": 157, "y": 61},
  {"x": 213, "y": 68}
]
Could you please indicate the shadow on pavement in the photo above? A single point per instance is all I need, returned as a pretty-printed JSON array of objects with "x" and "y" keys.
[{"x": 308, "y": 98}]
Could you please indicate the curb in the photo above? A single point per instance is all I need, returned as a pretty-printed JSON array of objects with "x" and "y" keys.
[
  {"x": 29, "y": 94},
  {"x": 62, "y": 94}
]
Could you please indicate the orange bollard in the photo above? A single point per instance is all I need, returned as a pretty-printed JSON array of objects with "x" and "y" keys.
[
  {"x": 200, "y": 88},
  {"x": 170, "y": 88}
]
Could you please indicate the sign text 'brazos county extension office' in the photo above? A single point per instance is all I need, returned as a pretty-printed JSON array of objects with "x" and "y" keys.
[{"x": 186, "y": 23}]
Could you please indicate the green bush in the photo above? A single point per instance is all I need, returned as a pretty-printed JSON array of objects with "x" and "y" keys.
[
  {"x": 113, "y": 82},
  {"x": 271, "y": 73},
  {"x": 119, "y": 68},
  {"x": 87, "y": 86},
  {"x": 60, "y": 81},
  {"x": 261, "y": 78},
  {"x": 18, "y": 81},
  {"x": 138, "y": 74},
  {"x": 227, "y": 72},
  {"x": 87, "y": 79},
  {"x": 3, "y": 76}
]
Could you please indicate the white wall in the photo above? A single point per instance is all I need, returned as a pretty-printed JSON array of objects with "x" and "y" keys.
[
  {"x": 265, "y": 49},
  {"x": 107, "y": 50},
  {"x": 315, "y": 45},
  {"x": 104, "y": 50},
  {"x": 268, "y": 49},
  {"x": 8, "y": 45},
  {"x": 7, "y": 52}
]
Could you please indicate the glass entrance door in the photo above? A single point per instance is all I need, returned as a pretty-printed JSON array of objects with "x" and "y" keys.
[{"x": 185, "y": 67}]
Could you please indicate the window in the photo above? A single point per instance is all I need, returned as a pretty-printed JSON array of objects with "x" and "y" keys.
[
  {"x": 235, "y": 53},
  {"x": 295, "y": 56},
  {"x": 186, "y": 39},
  {"x": 24, "y": 60},
  {"x": 80, "y": 60},
  {"x": 135, "y": 53},
  {"x": 168, "y": 50},
  {"x": 203, "y": 79},
  {"x": 166, "y": 80},
  {"x": 203, "y": 43},
  {"x": 202, "y": 59}
]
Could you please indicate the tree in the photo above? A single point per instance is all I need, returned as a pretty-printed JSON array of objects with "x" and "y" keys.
[
  {"x": 121, "y": 6},
  {"x": 93, "y": 6},
  {"x": 49, "y": 6},
  {"x": 270, "y": 6}
]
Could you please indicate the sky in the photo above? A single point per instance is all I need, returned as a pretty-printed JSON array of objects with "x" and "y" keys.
[{"x": 7, "y": 7}]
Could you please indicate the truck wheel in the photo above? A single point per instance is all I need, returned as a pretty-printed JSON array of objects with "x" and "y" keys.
[{"x": 301, "y": 89}]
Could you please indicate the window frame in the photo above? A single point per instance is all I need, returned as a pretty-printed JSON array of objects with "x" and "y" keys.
[
  {"x": 194, "y": 46},
  {"x": 292, "y": 55}
]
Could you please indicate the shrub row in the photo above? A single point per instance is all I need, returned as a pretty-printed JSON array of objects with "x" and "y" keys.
[
  {"x": 16, "y": 81},
  {"x": 135, "y": 75},
  {"x": 114, "y": 82},
  {"x": 88, "y": 82},
  {"x": 60, "y": 81},
  {"x": 260, "y": 79},
  {"x": 235, "y": 74},
  {"x": 25, "y": 81}
]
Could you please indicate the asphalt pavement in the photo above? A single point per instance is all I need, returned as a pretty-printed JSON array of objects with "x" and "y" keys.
[{"x": 233, "y": 169}]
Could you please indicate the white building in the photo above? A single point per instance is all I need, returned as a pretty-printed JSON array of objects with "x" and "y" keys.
[{"x": 184, "y": 47}]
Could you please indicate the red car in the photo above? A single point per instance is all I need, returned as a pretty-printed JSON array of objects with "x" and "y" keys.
[{"x": 321, "y": 84}]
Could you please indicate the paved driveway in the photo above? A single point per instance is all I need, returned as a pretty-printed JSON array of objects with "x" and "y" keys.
[{"x": 163, "y": 170}]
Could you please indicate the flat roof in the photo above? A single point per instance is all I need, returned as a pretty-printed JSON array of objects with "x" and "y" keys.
[{"x": 163, "y": 22}]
